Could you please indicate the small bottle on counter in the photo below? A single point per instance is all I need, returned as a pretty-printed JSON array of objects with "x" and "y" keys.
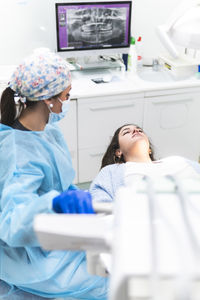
[
  {"x": 132, "y": 56},
  {"x": 139, "y": 48},
  {"x": 198, "y": 73}
]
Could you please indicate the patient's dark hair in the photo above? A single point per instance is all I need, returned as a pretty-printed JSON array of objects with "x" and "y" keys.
[{"x": 110, "y": 154}]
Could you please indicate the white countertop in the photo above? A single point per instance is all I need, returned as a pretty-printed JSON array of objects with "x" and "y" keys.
[
  {"x": 125, "y": 83},
  {"x": 121, "y": 83}
]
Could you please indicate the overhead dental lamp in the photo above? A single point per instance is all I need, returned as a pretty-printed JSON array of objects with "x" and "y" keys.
[{"x": 182, "y": 29}]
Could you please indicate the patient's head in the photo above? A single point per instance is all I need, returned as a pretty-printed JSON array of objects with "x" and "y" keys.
[{"x": 129, "y": 143}]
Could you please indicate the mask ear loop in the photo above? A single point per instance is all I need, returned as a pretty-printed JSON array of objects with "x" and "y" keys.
[{"x": 49, "y": 107}]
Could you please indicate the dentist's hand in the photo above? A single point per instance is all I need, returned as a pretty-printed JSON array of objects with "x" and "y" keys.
[{"x": 73, "y": 202}]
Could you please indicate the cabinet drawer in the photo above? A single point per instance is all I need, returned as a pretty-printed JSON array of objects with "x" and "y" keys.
[
  {"x": 173, "y": 124},
  {"x": 68, "y": 126},
  {"x": 74, "y": 156},
  {"x": 97, "y": 121},
  {"x": 89, "y": 163}
]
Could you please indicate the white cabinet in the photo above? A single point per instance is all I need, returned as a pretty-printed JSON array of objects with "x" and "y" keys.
[
  {"x": 98, "y": 118},
  {"x": 173, "y": 123},
  {"x": 68, "y": 126}
]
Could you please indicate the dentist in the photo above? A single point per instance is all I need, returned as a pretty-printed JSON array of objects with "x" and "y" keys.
[{"x": 36, "y": 176}]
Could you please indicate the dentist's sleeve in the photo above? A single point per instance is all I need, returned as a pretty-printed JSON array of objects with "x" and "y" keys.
[{"x": 23, "y": 198}]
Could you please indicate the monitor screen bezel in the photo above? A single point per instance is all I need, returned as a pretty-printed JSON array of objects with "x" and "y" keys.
[{"x": 58, "y": 4}]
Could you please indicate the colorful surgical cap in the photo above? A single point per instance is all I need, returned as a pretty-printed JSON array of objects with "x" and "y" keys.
[{"x": 41, "y": 76}]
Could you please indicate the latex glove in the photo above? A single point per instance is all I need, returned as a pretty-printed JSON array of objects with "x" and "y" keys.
[{"x": 73, "y": 202}]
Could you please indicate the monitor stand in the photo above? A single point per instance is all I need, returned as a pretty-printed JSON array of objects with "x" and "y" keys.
[
  {"x": 99, "y": 71},
  {"x": 96, "y": 75},
  {"x": 84, "y": 64}
]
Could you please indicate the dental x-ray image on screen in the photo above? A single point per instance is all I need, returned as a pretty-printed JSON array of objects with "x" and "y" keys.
[{"x": 93, "y": 25}]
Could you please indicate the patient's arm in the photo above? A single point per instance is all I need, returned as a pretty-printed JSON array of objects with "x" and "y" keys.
[
  {"x": 109, "y": 179},
  {"x": 195, "y": 165}
]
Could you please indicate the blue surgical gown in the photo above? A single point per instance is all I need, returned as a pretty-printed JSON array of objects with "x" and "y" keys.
[{"x": 34, "y": 168}]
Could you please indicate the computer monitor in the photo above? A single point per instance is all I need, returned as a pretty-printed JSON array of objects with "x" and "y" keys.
[{"x": 103, "y": 27}]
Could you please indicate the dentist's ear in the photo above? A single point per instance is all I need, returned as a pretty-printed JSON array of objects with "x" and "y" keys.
[{"x": 48, "y": 102}]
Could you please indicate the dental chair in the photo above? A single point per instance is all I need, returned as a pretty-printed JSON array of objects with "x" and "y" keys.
[{"x": 149, "y": 245}]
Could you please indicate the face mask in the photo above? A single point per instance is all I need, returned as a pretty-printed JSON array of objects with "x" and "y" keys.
[{"x": 54, "y": 117}]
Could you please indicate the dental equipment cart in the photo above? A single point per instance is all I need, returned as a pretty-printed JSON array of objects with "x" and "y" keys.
[{"x": 150, "y": 245}]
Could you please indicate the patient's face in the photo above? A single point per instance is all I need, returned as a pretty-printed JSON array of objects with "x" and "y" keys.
[{"x": 132, "y": 137}]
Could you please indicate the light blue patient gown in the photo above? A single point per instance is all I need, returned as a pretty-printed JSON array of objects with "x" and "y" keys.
[{"x": 34, "y": 168}]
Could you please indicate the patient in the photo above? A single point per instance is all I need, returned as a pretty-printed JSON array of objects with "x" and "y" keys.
[{"x": 129, "y": 156}]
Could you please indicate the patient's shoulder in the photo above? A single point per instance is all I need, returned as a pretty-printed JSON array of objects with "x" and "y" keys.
[
  {"x": 110, "y": 173},
  {"x": 174, "y": 158},
  {"x": 113, "y": 168},
  {"x": 108, "y": 179}
]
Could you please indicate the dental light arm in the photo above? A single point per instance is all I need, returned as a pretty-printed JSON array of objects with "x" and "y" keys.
[
  {"x": 166, "y": 40},
  {"x": 165, "y": 31}
]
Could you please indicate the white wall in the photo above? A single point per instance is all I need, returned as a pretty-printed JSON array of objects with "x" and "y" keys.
[
  {"x": 27, "y": 24},
  {"x": 147, "y": 14}
]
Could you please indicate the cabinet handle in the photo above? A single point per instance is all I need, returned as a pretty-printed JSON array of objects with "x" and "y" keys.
[
  {"x": 96, "y": 154},
  {"x": 111, "y": 106},
  {"x": 170, "y": 101}
]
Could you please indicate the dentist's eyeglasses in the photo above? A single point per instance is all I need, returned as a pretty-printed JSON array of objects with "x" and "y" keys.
[{"x": 66, "y": 99}]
